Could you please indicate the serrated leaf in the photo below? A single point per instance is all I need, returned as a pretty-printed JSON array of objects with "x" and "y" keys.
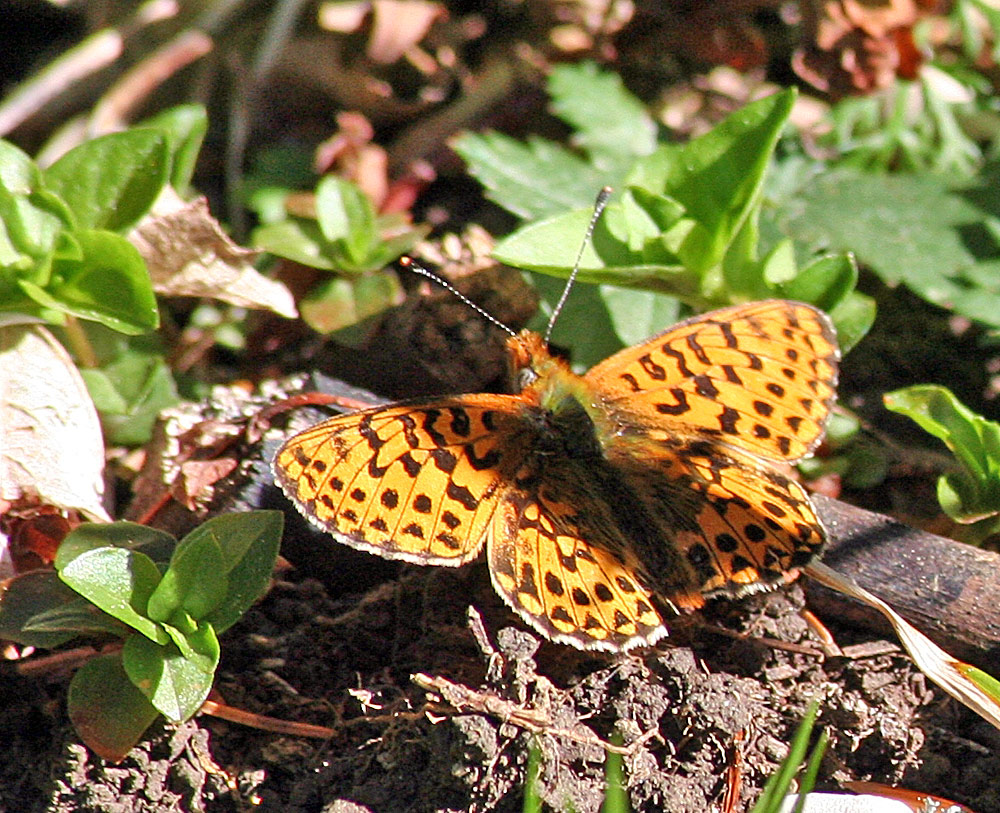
[
  {"x": 949, "y": 259},
  {"x": 111, "y": 181},
  {"x": 108, "y": 712},
  {"x": 532, "y": 180},
  {"x": 610, "y": 123}
]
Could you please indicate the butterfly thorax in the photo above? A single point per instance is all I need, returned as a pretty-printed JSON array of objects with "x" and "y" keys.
[{"x": 565, "y": 413}]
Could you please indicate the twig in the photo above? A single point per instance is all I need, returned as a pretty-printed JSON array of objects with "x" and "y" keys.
[{"x": 462, "y": 698}]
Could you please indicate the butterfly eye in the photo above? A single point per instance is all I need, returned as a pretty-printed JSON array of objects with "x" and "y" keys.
[{"x": 526, "y": 377}]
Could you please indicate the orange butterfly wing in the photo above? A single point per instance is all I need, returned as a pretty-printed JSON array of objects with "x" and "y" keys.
[{"x": 759, "y": 377}]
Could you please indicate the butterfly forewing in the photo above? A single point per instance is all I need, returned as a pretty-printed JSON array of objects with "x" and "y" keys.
[
  {"x": 737, "y": 525},
  {"x": 758, "y": 377},
  {"x": 417, "y": 482}
]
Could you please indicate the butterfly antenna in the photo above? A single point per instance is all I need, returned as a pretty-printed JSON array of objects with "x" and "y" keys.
[
  {"x": 409, "y": 262},
  {"x": 602, "y": 200}
]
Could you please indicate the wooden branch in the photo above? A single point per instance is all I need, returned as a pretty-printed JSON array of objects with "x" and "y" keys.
[{"x": 949, "y": 590}]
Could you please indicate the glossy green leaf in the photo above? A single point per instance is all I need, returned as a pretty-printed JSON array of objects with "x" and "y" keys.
[
  {"x": 108, "y": 712},
  {"x": 111, "y": 181},
  {"x": 195, "y": 581},
  {"x": 156, "y": 544},
  {"x": 110, "y": 284},
  {"x": 973, "y": 493},
  {"x": 295, "y": 239},
  {"x": 346, "y": 219},
  {"x": 718, "y": 177},
  {"x": 120, "y": 582},
  {"x": 185, "y": 127},
  {"x": 249, "y": 542},
  {"x": 175, "y": 685}
]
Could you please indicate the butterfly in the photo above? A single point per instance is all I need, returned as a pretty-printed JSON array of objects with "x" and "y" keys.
[{"x": 604, "y": 501}]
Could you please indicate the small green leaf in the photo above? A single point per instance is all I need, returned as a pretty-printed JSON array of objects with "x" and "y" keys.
[
  {"x": 156, "y": 544},
  {"x": 249, "y": 542},
  {"x": 185, "y": 127},
  {"x": 130, "y": 393},
  {"x": 346, "y": 219},
  {"x": 118, "y": 581},
  {"x": 108, "y": 712},
  {"x": 78, "y": 617},
  {"x": 27, "y": 596},
  {"x": 195, "y": 582},
  {"x": 110, "y": 182},
  {"x": 972, "y": 495},
  {"x": 175, "y": 685},
  {"x": 344, "y": 301},
  {"x": 295, "y": 239},
  {"x": 853, "y": 317},
  {"x": 110, "y": 284},
  {"x": 718, "y": 177}
]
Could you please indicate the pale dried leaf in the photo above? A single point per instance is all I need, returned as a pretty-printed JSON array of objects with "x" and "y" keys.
[
  {"x": 344, "y": 18},
  {"x": 188, "y": 254},
  {"x": 51, "y": 445},
  {"x": 947, "y": 672},
  {"x": 398, "y": 26}
]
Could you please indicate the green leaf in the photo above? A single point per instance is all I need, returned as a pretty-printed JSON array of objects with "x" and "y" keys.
[
  {"x": 110, "y": 284},
  {"x": 77, "y": 617},
  {"x": 718, "y": 177},
  {"x": 295, "y": 239},
  {"x": 249, "y": 542},
  {"x": 112, "y": 181},
  {"x": 346, "y": 219},
  {"x": 972, "y": 494},
  {"x": 108, "y": 712},
  {"x": 344, "y": 301},
  {"x": 853, "y": 317},
  {"x": 118, "y": 581},
  {"x": 609, "y": 123},
  {"x": 28, "y": 596},
  {"x": 156, "y": 544},
  {"x": 951, "y": 259},
  {"x": 778, "y": 785},
  {"x": 185, "y": 127},
  {"x": 532, "y": 180},
  {"x": 175, "y": 685},
  {"x": 130, "y": 393},
  {"x": 195, "y": 582}
]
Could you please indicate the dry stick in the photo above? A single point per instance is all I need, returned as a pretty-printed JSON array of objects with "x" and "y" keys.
[
  {"x": 464, "y": 699},
  {"x": 112, "y": 111},
  {"x": 95, "y": 53}
]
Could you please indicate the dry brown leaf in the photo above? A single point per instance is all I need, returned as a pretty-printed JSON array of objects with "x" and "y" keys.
[
  {"x": 188, "y": 254},
  {"x": 51, "y": 446}
]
